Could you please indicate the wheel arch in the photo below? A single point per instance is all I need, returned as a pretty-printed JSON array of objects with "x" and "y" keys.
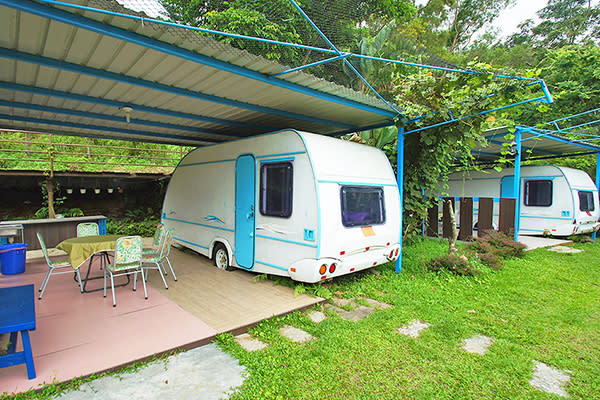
[{"x": 224, "y": 242}]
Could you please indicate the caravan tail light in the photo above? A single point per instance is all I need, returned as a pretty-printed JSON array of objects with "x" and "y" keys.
[
  {"x": 323, "y": 269},
  {"x": 392, "y": 253},
  {"x": 332, "y": 268},
  {"x": 397, "y": 251}
]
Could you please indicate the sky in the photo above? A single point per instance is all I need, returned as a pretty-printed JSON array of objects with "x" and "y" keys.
[{"x": 511, "y": 17}]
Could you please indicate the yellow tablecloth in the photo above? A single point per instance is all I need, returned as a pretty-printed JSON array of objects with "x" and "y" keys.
[{"x": 82, "y": 248}]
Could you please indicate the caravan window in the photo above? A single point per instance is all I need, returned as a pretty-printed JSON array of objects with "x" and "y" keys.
[
  {"x": 586, "y": 201},
  {"x": 362, "y": 205},
  {"x": 538, "y": 193},
  {"x": 276, "y": 189}
]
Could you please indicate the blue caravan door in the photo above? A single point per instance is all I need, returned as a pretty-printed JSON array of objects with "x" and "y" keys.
[
  {"x": 507, "y": 187},
  {"x": 245, "y": 184}
]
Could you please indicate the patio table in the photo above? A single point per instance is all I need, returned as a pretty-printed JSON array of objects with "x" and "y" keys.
[
  {"x": 17, "y": 314},
  {"x": 85, "y": 248}
]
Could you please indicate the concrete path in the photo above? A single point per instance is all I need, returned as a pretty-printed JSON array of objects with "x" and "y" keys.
[
  {"x": 202, "y": 373},
  {"x": 536, "y": 242}
]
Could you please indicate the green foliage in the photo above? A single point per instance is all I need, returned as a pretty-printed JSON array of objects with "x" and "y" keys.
[
  {"x": 144, "y": 228},
  {"x": 29, "y": 151},
  {"x": 141, "y": 222},
  {"x": 439, "y": 97}
]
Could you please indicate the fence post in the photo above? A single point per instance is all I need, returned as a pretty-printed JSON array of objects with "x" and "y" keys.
[{"x": 466, "y": 218}]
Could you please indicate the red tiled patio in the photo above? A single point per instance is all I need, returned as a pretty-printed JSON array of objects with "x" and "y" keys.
[{"x": 81, "y": 334}]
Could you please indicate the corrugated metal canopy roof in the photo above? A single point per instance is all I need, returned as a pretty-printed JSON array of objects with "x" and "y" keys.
[
  {"x": 71, "y": 71},
  {"x": 535, "y": 143}
]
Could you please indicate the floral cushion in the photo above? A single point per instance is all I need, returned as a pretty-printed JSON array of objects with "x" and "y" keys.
[
  {"x": 87, "y": 229},
  {"x": 128, "y": 253}
]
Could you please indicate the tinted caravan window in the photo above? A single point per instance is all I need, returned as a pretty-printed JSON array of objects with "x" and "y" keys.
[
  {"x": 276, "y": 181},
  {"x": 586, "y": 201},
  {"x": 362, "y": 205},
  {"x": 538, "y": 193}
]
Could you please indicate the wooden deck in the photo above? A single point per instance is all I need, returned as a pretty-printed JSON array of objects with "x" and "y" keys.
[
  {"x": 227, "y": 301},
  {"x": 81, "y": 334}
]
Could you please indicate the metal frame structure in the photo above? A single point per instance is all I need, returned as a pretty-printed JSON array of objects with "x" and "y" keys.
[
  {"x": 560, "y": 138},
  {"x": 180, "y": 125}
]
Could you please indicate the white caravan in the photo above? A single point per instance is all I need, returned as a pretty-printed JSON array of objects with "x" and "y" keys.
[
  {"x": 289, "y": 203},
  {"x": 555, "y": 201}
]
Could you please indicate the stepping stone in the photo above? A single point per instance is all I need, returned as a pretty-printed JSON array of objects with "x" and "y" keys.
[
  {"x": 249, "y": 343},
  {"x": 295, "y": 334},
  {"x": 477, "y": 344},
  {"x": 344, "y": 302},
  {"x": 359, "y": 313},
  {"x": 201, "y": 373},
  {"x": 377, "y": 304},
  {"x": 565, "y": 249},
  {"x": 549, "y": 379},
  {"x": 414, "y": 328},
  {"x": 317, "y": 316}
]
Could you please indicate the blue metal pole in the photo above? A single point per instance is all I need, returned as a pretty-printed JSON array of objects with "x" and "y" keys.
[
  {"x": 400, "y": 179},
  {"x": 597, "y": 183},
  {"x": 517, "y": 184}
]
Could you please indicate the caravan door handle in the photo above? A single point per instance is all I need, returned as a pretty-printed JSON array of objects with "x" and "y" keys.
[{"x": 250, "y": 215}]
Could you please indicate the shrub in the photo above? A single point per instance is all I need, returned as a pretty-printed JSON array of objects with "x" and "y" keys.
[
  {"x": 457, "y": 264},
  {"x": 491, "y": 260},
  {"x": 499, "y": 244}
]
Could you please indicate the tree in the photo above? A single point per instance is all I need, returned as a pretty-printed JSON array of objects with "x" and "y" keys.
[
  {"x": 456, "y": 21},
  {"x": 564, "y": 22}
]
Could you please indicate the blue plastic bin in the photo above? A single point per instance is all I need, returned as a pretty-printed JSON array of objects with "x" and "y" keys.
[{"x": 12, "y": 258}]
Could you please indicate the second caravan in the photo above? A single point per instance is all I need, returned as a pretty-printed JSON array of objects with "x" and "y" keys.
[
  {"x": 557, "y": 201},
  {"x": 290, "y": 203}
]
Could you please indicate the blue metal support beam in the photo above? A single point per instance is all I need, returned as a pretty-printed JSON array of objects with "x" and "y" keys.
[
  {"x": 400, "y": 179},
  {"x": 527, "y": 148},
  {"x": 104, "y": 29},
  {"x": 140, "y": 134},
  {"x": 517, "y": 184},
  {"x": 476, "y": 115},
  {"x": 553, "y": 136},
  {"x": 572, "y": 116},
  {"x": 104, "y": 117},
  {"x": 597, "y": 182},
  {"x": 341, "y": 56},
  {"x": 136, "y": 107},
  {"x": 98, "y": 73}
]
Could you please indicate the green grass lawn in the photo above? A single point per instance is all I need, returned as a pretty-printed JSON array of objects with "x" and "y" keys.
[{"x": 544, "y": 307}]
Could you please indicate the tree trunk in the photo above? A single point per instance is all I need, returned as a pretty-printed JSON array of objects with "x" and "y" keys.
[
  {"x": 50, "y": 191},
  {"x": 454, "y": 236}
]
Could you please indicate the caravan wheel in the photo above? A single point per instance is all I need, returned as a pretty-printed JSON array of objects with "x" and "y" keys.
[{"x": 221, "y": 257}]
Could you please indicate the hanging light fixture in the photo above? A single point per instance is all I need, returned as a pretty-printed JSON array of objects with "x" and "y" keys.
[
  {"x": 69, "y": 191},
  {"x": 82, "y": 190},
  {"x": 110, "y": 190},
  {"x": 127, "y": 111}
]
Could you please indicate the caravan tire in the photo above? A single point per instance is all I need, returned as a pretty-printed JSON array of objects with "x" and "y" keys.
[{"x": 221, "y": 257}]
